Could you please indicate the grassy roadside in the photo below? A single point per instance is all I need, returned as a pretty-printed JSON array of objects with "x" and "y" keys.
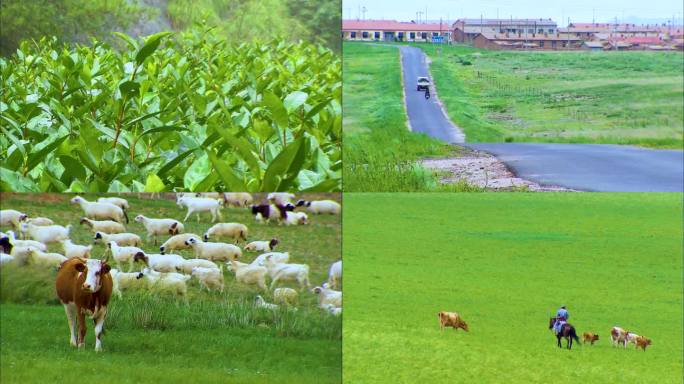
[
  {"x": 151, "y": 336},
  {"x": 570, "y": 97},
  {"x": 505, "y": 262},
  {"x": 380, "y": 153}
]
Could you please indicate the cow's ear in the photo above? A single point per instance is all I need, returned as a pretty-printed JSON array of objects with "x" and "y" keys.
[
  {"x": 106, "y": 268},
  {"x": 80, "y": 267}
]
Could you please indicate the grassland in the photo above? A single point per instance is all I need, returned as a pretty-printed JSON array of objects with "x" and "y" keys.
[
  {"x": 152, "y": 337},
  {"x": 506, "y": 262},
  {"x": 380, "y": 153},
  {"x": 570, "y": 97}
]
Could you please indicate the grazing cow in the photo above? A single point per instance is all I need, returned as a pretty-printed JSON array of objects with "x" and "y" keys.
[
  {"x": 642, "y": 342},
  {"x": 451, "y": 319},
  {"x": 84, "y": 288},
  {"x": 618, "y": 336},
  {"x": 589, "y": 337}
]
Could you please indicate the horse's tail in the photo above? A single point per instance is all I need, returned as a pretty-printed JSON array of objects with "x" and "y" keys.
[{"x": 574, "y": 336}]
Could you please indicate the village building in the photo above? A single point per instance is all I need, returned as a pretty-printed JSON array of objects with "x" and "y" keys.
[
  {"x": 465, "y": 30},
  {"x": 529, "y": 41},
  {"x": 391, "y": 30}
]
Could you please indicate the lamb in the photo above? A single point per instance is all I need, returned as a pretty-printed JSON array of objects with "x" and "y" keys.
[
  {"x": 75, "y": 250},
  {"x": 25, "y": 243},
  {"x": 5, "y": 258},
  {"x": 261, "y": 303},
  {"x": 174, "y": 282},
  {"x": 188, "y": 264},
  {"x": 235, "y": 231},
  {"x": 201, "y": 204},
  {"x": 278, "y": 257},
  {"x": 335, "y": 275},
  {"x": 249, "y": 274},
  {"x": 176, "y": 242},
  {"x": 119, "y": 202},
  {"x": 124, "y": 280},
  {"x": 122, "y": 239},
  {"x": 43, "y": 258},
  {"x": 156, "y": 227},
  {"x": 237, "y": 199},
  {"x": 22, "y": 253},
  {"x": 47, "y": 234},
  {"x": 328, "y": 296},
  {"x": 214, "y": 251},
  {"x": 101, "y": 211},
  {"x": 106, "y": 226},
  {"x": 12, "y": 218},
  {"x": 123, "y": 254},
  {"x": 160, "y": 263},
  {"x": 285, "y": 296},
  {"x": 261, "y": 246},
  {"x": 295, "y": 218},
  {"x": 287, "y": 272},
  {"x": 321, "y": 206},
  {"x": 40, "y": 221},
  {"x": 280, "y": 198},
  {"x": 333, "y": 310},
  {"x": 209, "y": 277}
]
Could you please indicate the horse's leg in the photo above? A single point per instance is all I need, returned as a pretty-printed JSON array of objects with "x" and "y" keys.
[
  {"x": 558, "y": 336},
  {"x": 569, "y": 342}
]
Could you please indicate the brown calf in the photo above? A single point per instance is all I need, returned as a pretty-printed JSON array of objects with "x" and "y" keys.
[
  {"x": 451, "y": 319},
  {"x": 642, "y": 342},
  {"x": 84, "y": 288},
  {"x": 589, "y": 337}
]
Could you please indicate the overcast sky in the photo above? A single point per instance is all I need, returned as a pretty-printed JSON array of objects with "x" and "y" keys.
[{"x": 576, "y": 10}]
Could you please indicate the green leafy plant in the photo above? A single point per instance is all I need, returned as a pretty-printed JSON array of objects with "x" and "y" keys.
[{"x": 186, "y": 113}]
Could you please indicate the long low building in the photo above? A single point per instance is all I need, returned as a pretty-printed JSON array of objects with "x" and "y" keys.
[
  {"x": 465, "y": 30},
  {"x": 522, "y": 41},
  {"x": 391, "y": 30}
]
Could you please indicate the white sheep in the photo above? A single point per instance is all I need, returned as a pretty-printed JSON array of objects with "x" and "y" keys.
[
  {"x": 173, "y": 282},
  {"x": 209, "y": 277},
  {"x": 262, "y": 246},
  {"x": 208, "y": 195},
  {"x": 280, "y": 198},
  {"x": 161, "y": 263},
  {"x": 119, "y": 202},
  {"x": 25, "y": 243},
  {"x": 318, "y": 207},
  {"x": 125, "y": 280},
  {"x": 287, "y": 272},
  {"x": 201, "y": 204},
  {"x": 12, "y": 218},
  {"x": 100, "y": 211},
  {"x": 47, "y": 234},
  {"x": 214, "y": 251},
  {"x": 286, "y": 296},
  {"x": 295, "y": 218},
  {"x": 44, "y": 258},
  {"x": 124, "y": 254},
  {"x": 40, "y": 221},
  {"x": 249, "y": 274},
  {"x": 278, "y": 257},
  {"x": 261, "y": 303},
  {"x": 106, "y": 226},
  {"x": 22, "y": 253},
  {"x": 156, "y": 227},
  {"x": 332, "y": 309},
  {"x": 122, "y": 239},
  {"x": 187, "y": 265},
  {"x": 328, "y": 296},
  {"x": 237, "y": 199},
  {"x": 335, "y": 275},
  {"x": 76, "y": 250},
  {"x": 5, "y": 258},
  {"x": 176, "y": 242},
  {"x": 234, "y": 231}
]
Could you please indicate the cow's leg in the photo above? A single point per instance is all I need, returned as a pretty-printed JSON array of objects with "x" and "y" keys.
[
  {"x": 81, "y": 328},
  {"x": 99, "y": 329},
  {"x": 70, "y": 310}
]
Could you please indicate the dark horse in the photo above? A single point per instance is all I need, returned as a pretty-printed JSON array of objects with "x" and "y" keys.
[{"x": 567, "y": 331}]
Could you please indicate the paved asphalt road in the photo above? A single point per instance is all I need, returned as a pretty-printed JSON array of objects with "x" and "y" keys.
[
  {"x": 586, "y": 167},
  {"x": 425, "y": 116}
]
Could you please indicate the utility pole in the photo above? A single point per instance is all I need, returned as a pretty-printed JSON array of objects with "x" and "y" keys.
[{"x": 364, "y": 12}]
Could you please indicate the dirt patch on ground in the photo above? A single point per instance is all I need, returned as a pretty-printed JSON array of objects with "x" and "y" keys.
[{"x": 482, "y": 170}]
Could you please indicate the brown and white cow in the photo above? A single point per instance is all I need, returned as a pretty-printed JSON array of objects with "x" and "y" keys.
[
  {"x": 84, "y": 287},
  {"x": 451, "y": 319},
  {"x": 618, "y": 336}
]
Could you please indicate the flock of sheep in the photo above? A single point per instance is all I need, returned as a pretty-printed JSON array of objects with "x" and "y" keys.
[{"x": 142, "y": 269}]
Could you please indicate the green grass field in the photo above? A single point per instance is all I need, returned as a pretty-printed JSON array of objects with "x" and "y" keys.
[
  {"x": 575, "y": 97},
  {"x": 506, "y": 262},
  {"x": 380, "y": 153},
  {"x": 153, "y": 337}
]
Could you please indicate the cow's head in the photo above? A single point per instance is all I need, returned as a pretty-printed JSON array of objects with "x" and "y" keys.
[
  {"x": 94, "y": 271},
  {"x": 464, "y": 325}
]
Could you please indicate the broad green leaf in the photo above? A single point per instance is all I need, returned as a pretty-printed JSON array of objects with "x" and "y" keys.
[
  {"x": 329, "y": 185},
  {"x": 285, "y": 167},
  {"x": 196, "y": 172},
  {"x": 174, "y": 162},
  {"x": 35, "y": 158},
  {"x": 77, "y": 186},
  {"x": 130, "y": 89},
  {"x": 14, "y": 140},
  {"x": 230, "y": 180},
  {"x": 141, "y": 118},
  {"x": 294, "y": 100},
  {"x": 165, "y": 128},
  {"x": 278, "y": 111},
  {"x": 11, "y": 181},
  {"x": 154, "y": 183},
  {"x": 244, "y": 148},
  {"x": 129, "y": 40},
  {"x": 116, "y": 187},
  {"x": 151, "y": 45}
]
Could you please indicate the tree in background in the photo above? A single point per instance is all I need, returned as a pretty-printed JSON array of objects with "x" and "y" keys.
[{"x": 321, "y": 18}]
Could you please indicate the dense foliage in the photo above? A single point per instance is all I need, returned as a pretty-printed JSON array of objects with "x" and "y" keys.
[{"x": 190, "y": 113}]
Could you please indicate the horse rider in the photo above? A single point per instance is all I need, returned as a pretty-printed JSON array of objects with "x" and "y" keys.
[
  {"x": 427, "y": 93},
  {"x": 561, "y": 317}
]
